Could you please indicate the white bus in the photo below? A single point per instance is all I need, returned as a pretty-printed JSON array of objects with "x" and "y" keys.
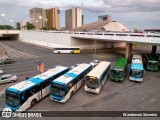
[
  {"x": 136, "y": 70},
  {"x": 66, "y": 85},
  {"x": 25, "y": 94},
  {"x": 66, "y": 50},
  {"x": 137, "y": 59},
  {"x": 95, "y": 79}
]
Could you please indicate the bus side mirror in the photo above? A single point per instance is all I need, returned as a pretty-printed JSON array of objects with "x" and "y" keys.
[{"x": 22, "y": 97}]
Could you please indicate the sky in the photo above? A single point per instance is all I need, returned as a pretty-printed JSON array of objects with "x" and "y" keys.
[{"x": 132, "y": 13}]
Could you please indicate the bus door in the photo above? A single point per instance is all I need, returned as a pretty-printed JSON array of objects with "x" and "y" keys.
[{"x": 39, "y": 94}]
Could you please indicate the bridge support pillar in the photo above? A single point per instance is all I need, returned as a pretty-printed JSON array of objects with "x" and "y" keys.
[
  {"x": 129, "y": 51},
  {"x": 154, "y": 49}
]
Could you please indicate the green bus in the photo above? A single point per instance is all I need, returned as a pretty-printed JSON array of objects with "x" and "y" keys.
[
  {"x": 151, "y": 62},
  {"x": 118, "y": 70},
  {"x": 158, "y": 57}
]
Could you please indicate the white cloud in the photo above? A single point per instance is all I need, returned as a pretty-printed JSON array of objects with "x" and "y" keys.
[{"x": 125, "y": 10}]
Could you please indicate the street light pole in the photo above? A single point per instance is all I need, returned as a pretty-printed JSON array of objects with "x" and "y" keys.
[
  {"x": 95, "y": 49},
  {"x": 40, "y": 17},
  {"x": 46, "y": 23},
  {"x": 11, "y": 22},
  {"x": 36, "y": 24}
]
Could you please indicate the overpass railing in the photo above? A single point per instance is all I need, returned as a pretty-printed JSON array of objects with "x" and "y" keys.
[{"x": 104, "y": 33}]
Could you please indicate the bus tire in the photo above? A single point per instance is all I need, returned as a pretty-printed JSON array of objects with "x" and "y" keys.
[
  {"x": 71, "y": 52},
  {"x": 71, "y": 94},
  {"x": 34, "y": 101},
  {"x": 58, "y": 52}
]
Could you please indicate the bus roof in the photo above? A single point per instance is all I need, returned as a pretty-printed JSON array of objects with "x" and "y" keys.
[
  {"x": 137, "y": 66},
  {"x": 37, "y": 79},
  {"x": 151, "y": 57},
  {"x": 137, "y": 59},
  {"x": 70, "y": 75},
  {"x": 120, "y": 63},
  {"x": 98, "y": 70}
]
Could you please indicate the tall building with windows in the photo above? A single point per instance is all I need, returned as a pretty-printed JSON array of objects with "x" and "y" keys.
[
  {"x": 53, "y": 18},
  {"x": 73, "y": 18},
  {"x": 36, "y": 17},
  {"x": 104, "y": 18}
]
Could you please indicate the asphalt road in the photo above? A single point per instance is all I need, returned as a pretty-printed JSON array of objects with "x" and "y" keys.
[{"x": 125, "y": 96}]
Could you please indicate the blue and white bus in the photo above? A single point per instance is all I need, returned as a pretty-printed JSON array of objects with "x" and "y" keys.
[
  {"x": 95, "y": 79},
  {"x": 66, "y": 85},
  {"x": 25, "y": 94},
  {"x": 136, "y": 70}
]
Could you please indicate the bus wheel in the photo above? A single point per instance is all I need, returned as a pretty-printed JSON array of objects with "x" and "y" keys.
[
  {"x": 33, "y": 102},
  {"x": 71, "y": 52},
  {"x": 58, "y": 52},
  {"x": 71, "y": 94}
]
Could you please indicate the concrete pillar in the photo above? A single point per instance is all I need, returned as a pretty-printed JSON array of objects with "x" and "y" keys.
[
  {"x": 154, "y": 49},
  {"x": 128, "y": 51}
]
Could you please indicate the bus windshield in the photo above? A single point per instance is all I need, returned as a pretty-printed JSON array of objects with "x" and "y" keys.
[
  {"x": 117, "y": 73},
  {"x": 12, "y": 99},
  {"x": 136, "y": 73},
  {"x": 58, "y": 90},
  {"x": 153, "y": 64},
  {"x": 92, "y": 83}
]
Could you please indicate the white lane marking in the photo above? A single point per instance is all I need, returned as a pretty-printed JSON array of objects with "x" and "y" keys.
[{"x": 18, "y": 54}]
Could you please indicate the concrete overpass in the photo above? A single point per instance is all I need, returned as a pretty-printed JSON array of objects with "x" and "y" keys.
[
  {"x": 84, "y": 39},
  {"x": 9, "y": 34},
  {"x": 129, "y": 38}
]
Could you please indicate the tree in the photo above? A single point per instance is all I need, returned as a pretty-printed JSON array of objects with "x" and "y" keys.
[
  {"x": 44, "y": 28},
  {"x": 6, "y": 27},
  {"x": 29, "y": 26},
  {"x": 53, "y": 28}
]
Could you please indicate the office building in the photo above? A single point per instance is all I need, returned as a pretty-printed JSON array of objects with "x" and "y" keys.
[
  {"x": 53, "y": 18},
  {"x": 36, "y": 17},
  {"x": 18, "y": 25},
  {"x": 104, "y": 18},
  {"x": 73, "y": 18},
  {"x": 21, "y": 25}
]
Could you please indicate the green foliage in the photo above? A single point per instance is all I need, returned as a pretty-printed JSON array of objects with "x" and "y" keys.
[
  {"x": 44, "y": 28},
  {"x": 53, "y": 28},
  {"x": 6, "y": 27},
  {"x": 29, "y": 26}
]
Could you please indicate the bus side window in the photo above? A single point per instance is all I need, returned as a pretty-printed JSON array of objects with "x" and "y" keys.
[
  {"x": 50, "y": 80},
  {"x": 24, "y": 96},
  {"x": 32, "y": 92},
  {"x": 38, "y": 88},
  {"x": 42, "y": 85},
  {"x": 81, "y": 76}
]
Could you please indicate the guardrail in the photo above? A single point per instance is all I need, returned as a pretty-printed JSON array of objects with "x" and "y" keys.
[{"x": 103, "y": 33}]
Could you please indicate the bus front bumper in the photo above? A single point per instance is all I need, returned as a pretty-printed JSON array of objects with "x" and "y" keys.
[
  {"x": 97, "y": 90},
  {"x": 57, "y": 99},
  {"x": 136, "y": 79}
]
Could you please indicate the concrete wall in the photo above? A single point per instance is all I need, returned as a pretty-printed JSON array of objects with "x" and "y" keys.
[
  {"x": 51, "y": 40},
  {"x": 56, "y": 39}
]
